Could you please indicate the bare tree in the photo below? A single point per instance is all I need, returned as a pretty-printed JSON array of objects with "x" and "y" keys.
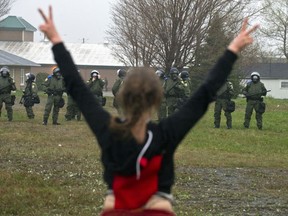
[
  {"x": 167, "y": 33},
  {"x": 5, "y": 6},
  {"x": 275, "y": 26}
]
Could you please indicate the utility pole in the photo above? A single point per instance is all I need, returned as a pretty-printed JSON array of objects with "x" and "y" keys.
[{"x": 84, "y": 40}]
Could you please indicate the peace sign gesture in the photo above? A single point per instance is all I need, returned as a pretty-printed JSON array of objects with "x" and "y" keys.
[
  {"x": 243, "y": 39},
  {"x": 48, "y": 28}
]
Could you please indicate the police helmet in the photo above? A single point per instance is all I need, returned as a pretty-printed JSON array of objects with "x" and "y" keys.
[
  {"x": 255, "y": 74},
  {"x": 160, "y": 73},
  {"x": 255, "y": 77},
  {"x": 94, "y": 73},
  {"x": 30, "y": 76},
  {"x": 174, "y": 70},
  {"x": 56, "y": 71},
  {"x": 121, "y": 73},
  {"x": 4, "y": 72},
  {"x": 184, "y": 75}
]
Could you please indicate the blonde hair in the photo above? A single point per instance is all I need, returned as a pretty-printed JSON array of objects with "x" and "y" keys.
[{"x": 140, "y": 92}]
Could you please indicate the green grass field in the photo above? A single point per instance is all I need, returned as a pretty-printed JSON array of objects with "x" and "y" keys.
[{"x": 56, "y": 170}]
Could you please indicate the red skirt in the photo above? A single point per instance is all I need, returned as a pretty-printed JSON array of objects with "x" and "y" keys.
[{"x": 146, "y": 212}]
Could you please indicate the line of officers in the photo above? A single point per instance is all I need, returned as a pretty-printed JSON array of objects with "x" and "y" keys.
[
  {"x": 54, "y": 87},
  {"x": 177, "y": 89}
]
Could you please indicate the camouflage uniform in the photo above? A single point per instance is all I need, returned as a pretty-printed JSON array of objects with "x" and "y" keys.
[
  {"x": 7, "y": 85},
  {"x": 95, "y": 84},
  {"x": 254, "y": 90},
  {"x": 162, "y": 111},
  {"x": 54, "y": 88},
  {"x": 186, "y": 87},
  {"x": 72, "y": 110},
  {"x": 173, "y": 92},
  {"x": 223, "y": 96},
  {"x": 31, "y": 90},
  {"x": 115, "y": 88},
  {"x": 121, "y": 74}
]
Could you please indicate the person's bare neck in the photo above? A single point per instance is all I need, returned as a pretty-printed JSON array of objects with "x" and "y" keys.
[{"x": 139, "y": 129}]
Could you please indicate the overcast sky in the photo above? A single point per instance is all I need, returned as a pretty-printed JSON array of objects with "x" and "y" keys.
[{"x": 76, "y": 20}]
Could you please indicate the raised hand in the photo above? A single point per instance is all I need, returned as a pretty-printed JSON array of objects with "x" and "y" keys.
[
  {"x": 243, "y": 39},
  {"x": 48, "y": 28}
]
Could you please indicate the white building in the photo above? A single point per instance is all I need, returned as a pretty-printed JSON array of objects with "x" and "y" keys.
[{"x": 22, "y": 55}]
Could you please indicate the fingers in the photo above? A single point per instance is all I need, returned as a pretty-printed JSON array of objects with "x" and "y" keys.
[
  {"x": 48, "y": 28},
  {"x": 46, "y": 19},
  {"x": 244, "y": 25},
  {"x": 252, "y": 29},
  {"x": 50, "y": 13},
  {"x": 243, "y": 39},
  {"x": 43, "y": 15}
]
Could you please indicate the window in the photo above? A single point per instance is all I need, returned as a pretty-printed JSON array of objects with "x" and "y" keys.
[
  {"x": 284, "y": 84},
  {"x": 22, "y": 77}
]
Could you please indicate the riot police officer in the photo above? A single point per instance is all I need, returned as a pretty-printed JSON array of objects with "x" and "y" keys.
[
  {"x": 54, "y": 88},
  {"x": 96, "y": 84},
  {"x": 186, "y": 86},
  {"x": 223, "y": 98},
  {"x": 253, "y": 91},
  {"x": 121, "y": 74},
  {"x": 72, "y": 110},
  {"x": 172, "y": 90},
  {"x": 29, "y": 95},
  {"x": 162, "y": 112},
  {"x": 7, "y": 85}
]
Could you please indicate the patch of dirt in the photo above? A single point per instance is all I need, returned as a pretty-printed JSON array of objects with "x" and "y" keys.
[
  {"x": 234, "y": 191},
  {"x": 197, "y": 191}
]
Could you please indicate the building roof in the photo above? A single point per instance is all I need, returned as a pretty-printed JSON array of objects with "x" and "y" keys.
[
  {"x": 13, "y": 60},
  {"x": 269, "y": 70},
  {"x": 83, "y": 54},
  {"x": 16, "y": 23}
]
